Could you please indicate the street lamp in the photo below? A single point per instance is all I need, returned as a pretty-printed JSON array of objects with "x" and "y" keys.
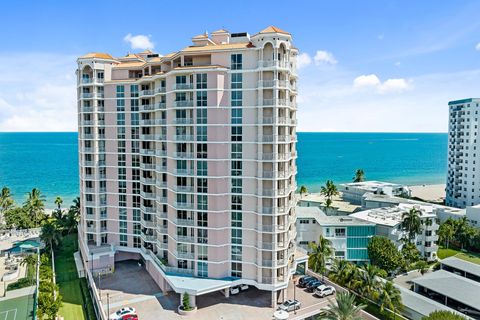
[
  {"x": 108, "y": 304},
  {"x": 294, "y": 294}
]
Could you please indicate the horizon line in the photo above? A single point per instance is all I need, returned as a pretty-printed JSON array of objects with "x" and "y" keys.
[{"x": 396, "y": 132}]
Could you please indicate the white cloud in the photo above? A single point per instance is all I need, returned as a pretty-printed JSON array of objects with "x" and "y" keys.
[
  {"x": 303, "y": 60},
  {"x": 327, "y": 101},
  {"x": 37, "y": 97},
  {"x": 140, "y": 41},
  {"x": 397, "y": 64},
  {"x": 389, "y": 85},
  {"x": 477, "y": 47},
  {"x": 324, "y": 57},
  {"x": 362, "y": 81}
]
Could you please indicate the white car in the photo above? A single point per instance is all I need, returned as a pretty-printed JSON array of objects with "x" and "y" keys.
[
  {"x": 323, "y": 291},
  {"x": 290, "y": 305},
  {"x": 234, "y": 290},
  {"x": 120, "y": 314},
  {"x": 243, "y": 287}
]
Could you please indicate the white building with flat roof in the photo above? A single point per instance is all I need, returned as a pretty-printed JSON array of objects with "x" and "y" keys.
[
  {"x": 389, "y": 224},
  {"x": 354, "y": 191},
  {"x": 463, "y": 188},
  {"x": 349, "y": 236}
]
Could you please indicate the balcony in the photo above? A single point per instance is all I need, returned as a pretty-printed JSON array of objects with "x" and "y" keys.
[
  {"x": 147, "y": 180},
  {"x": 161, "y": 199},
  {"x": 184, "y": 155},
  {"x": 161, "y": 184},
  {"x": 189, "y": 239},
  {"x": 182, "y": 121},
  {"x": 183, "y": 103},
  {"x": 147, "y": 152},
  {"x": 183, "y": 86},
  {"x": 144, "y": 93},
  {"x": 184, "y": 255},
  {"x": 273, "y": 64},
  {"x": 162, "y": 229},
  {"x": 148, "y": 238},
  {"x": 161, "y": 153},
  {"x": 161, "y": 90},
  {"x": 147, "y": 209},
  {"x": 183, "y": 205},
  {"x": 147, "y": 166},
  {"x": 185, "y": 222},
  {"x": 184, "y": 172},
  {"x": 147, "y": 224},
  {"x": 147, "y": 195},
  {"x": 184, "y": 137},
  {"x": 162, "y": 245},
  {"x": 160, "y": 105},
  {"x": 146, "y": 107},
  {"x": 184, "y": 188}
]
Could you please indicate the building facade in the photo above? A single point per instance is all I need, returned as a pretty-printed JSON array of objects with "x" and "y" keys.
[
  {"x": 389, "y": 223},
  {"x": 463, "y": 164},
  {"x": 349, "y": 236},
  {"x": 187, "y": 161},
  {"x": 354, "y": 191}
]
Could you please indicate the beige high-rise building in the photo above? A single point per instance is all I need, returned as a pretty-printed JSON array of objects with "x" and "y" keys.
[{"x": 187, "y": 161}]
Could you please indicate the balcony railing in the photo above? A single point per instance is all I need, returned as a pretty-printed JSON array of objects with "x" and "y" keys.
[
  {"x": 182, "y": 86},
  {"x": 146, "y": 93},
  {"x": 183, "y": 103}
]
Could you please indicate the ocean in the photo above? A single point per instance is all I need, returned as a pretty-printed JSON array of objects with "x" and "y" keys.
[{"x": 49, "y": 161}]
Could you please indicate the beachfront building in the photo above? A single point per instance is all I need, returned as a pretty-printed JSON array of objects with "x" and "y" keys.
[
  {"x": 187, "y": 161},
  {"x": 389, "y": 221},
  {"x": 349, "y": 236},
  {"x": 353, "y": 192},
  {"x": 463, "y": 165}
]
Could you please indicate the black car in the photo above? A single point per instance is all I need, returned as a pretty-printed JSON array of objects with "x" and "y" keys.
[
  {"x": 303, "y": 280},
  {"x": 305, "y": 283},
  {"x": 311, "y": 286}
]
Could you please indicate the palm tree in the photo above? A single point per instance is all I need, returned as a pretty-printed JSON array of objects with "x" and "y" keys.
[
  {"x": 344, "y": 309},
  {"x": 58, "y": 202},
  {"x": 359, "y": 176},
  {"x": 320, "y": 252},
  {"x": 35, "y": 205},
  {"x": 329, "y": 190},
  {"x": 70, "y": 221},
  {"x": 369, "y": 281},
  {"x": 30, "y": 261},
  {"x": 339, "y": 271},
  {"x": 303, "y": 190},
  {"x": 6, "y": 200},
  {"x": 75, "y": 207},
  {"x": 464, "y": 232},
  {"x": 50, "y": 235},
  {"x": 412, "y": 223},
  {"x": 446, "y": 232},
  {"x": 389, "y": 297}
]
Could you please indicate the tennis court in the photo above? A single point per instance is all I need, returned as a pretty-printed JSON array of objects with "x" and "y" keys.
[{"x": 17, "y": 308}]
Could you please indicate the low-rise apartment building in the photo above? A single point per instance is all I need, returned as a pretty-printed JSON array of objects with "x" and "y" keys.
[
  {"x": 389, "y": 222},
  {"x": 354, "y": 191},
  {"x": 349, "y": 236}
]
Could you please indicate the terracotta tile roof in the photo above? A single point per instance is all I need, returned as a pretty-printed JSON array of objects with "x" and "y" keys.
[
  {"x": 272, "y": 29},
  {"x": 130, "y": 64},
  {"x": 214, "y": 47},
  {"x": 220, "y": 31},
  {"x": 98, "y": 55},
  {"x": 213, "y": 66},
  {"x": 201, "y": 36}
]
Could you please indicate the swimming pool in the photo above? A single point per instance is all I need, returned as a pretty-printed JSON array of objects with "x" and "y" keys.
[{"x": 25, "y": 245}]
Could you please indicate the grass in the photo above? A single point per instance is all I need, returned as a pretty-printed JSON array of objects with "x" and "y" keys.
[
  {"x": 452, "y": 252},
  {"x": 77, "y": 304}
]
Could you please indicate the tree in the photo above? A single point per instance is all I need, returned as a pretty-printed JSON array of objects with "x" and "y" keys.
[
  {"x": 389, "y": 297},
  {"x": 320, "y": 252},
  {"x": 186, "y": 302},
  {"x": 359, "y": 176},
  {"x": 30, "y": 261},
  {"x": 303, "y": 190},
  {"x": 6, "y": 200},
  {"x": 464, "y": 232},
  {"x": 58, "y": 202},
  {"x": 369, "y": 281},
  {"x": 443, "y": 315},
  {"x": 446, "y": 232},
  {"x": 50, "y": 235},
  {"x": 17, "y": 218},
  {"x": 329, "y": 191},
  {"x": 70, "y": 221},
  {"x": 384, "y": 254},
  {"x": 75, "y": 207},
  {"x": 412, "y": 223},
  {"x": 344, "y": 309},
  {"x": 410, "y": 253},
  {"x": 422, "y": 266},
  {"x": 35, "y": 205}
]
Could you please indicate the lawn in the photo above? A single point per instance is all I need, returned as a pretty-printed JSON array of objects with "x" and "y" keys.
[
  {"x": 73, "y": 290},
  {"x": 450, "y": 252}
]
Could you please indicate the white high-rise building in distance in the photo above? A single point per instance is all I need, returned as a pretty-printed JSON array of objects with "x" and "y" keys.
[
  {"x": 187, "y": 161},
  {"x": 463, "y": 178}
]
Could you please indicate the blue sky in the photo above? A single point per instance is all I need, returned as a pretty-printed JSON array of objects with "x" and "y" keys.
[{"x": 379, "y": 66}]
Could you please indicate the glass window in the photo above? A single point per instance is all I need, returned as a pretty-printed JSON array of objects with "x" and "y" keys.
[{"x": 236, "y": 62}]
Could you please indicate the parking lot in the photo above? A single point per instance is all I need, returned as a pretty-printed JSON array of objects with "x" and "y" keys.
[{"x": 131, "y": 285}]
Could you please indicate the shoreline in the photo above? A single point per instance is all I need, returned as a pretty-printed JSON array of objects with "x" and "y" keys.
[{"x": 429, "y": 192}]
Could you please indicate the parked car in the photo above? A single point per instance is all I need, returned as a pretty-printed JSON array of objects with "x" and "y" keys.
[
  {"x": 120, "y": 314},
  {"x": 290, "y": 305},
  {"x": 323, "y": 291},
  {"x": 311, "y": 286},
  {"x": 130, "y": 317},
  {"x": 243, "y": 287},
  {"x": 234, "y": 290},
  {"x": 470, "y": 312},
  {"x": 303, "y": 280},
  {"x": 306, "y": 282}
]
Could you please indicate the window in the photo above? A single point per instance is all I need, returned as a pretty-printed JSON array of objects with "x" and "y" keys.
[
  {"x": 202, "y": 269},
  {"x": 202, "y": 236},
  {"x": 237, "y": 236},
  {"x": 237, "y": 81},
  {"x": 202, "y": 169},
  {"x": 120, "y": 91},
  {"x": 236, "y": 133},
  {"x": 202, "y": 81},
  {"x": 236, "y": 62},
  {"x": 236, "y": 98},
  {"x": 181, "y": 80},
  {"x": 133, "y": 91},
  {"x": 304, "y": 221},
  {"x": 236, "y": 253},
  {"x": 236, "y": 270},
  {"x": 236, "y": 185},
  {"x": 236, "y": 116},
  {"x": 340, "y": 232},
  {"x": 201, "y": 98},
  {"x": 236, "y": 219}
]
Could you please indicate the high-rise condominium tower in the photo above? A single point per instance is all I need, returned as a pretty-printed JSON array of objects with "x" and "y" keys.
[
  {"x": 187, "y": 161},
  {"x": 463, "y": 179}
]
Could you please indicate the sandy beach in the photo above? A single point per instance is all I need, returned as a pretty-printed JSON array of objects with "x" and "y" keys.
[{"x": 433, "y": 192}]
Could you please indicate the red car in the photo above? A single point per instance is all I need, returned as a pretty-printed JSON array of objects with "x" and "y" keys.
[{"x": 130, "y": 317}]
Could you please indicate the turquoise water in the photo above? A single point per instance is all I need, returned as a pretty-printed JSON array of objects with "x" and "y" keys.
[{"x": 49, "y": 160}]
